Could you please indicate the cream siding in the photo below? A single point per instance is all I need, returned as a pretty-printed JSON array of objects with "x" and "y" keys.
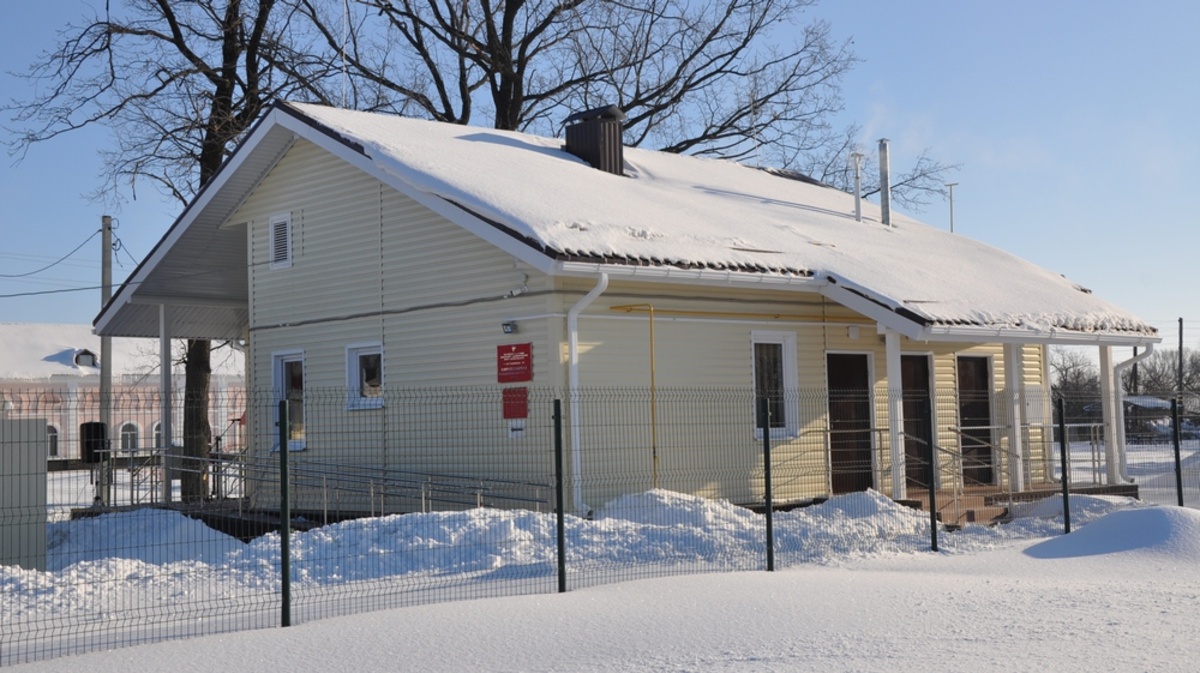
[{"x": 371, "y": 265}]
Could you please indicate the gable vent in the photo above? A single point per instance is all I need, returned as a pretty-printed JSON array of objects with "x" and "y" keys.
[
  {"x": 281, "y": 241},
  {"x": 595, "y": 136}
]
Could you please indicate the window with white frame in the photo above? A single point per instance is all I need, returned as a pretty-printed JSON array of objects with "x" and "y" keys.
[
  {"x": 52, "y": 440},
  {"x": 774, "y": 362},
  {"x": 364, "y": 376},
  {"x": 281, "y": 241},
  {"x": 158, "y": 435}
]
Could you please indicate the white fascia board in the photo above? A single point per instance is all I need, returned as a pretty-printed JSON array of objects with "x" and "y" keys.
[
  {"x": 672, "y": 274},
  {"x": 186, "y": 218},
  {"x": 1060, "y": 337},
  {"x": 886, "y": 317},
  {"x": 437, "y": 204},
  {"x": 892, "y": 320}
]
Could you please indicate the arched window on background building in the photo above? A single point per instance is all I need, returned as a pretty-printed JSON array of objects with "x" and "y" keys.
[
  {"x": 51, "y": 440},
  {"x": 129, "y": 437}
]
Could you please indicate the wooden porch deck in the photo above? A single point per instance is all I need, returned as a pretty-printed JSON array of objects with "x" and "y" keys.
[{"x": 986, "y": 504}]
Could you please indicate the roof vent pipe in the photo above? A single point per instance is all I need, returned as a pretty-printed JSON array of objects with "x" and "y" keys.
[
  {"x": 856, "y": 159},
  {"x": 595, "y": 136},
  {"x": 885, "y": 184}
]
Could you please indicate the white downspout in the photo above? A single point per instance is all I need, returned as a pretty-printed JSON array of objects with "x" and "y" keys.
[
  {"x": 573, "y": 390},
  {"x": 1122, "y": 462}
]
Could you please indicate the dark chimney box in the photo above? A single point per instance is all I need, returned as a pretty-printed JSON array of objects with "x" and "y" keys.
[{"x": 595, "y": 136}]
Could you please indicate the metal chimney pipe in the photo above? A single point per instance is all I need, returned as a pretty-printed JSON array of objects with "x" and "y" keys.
[
  {"x": 857, "y": 159},
  {"x": 885, "y": 184}
]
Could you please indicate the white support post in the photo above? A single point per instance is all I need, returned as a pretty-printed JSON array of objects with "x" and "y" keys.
[
  {"x": 1108, "y": 402},
  {"x": 1015, "y": 382},
  {"x": 164, "y": 366},
  {"x": 895, "y": 393}
]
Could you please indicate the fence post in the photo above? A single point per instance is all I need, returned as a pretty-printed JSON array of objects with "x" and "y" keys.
[
  {"x": 285, "y": 520},
  {"x": 931, "y": 452},
  {"x": 764, "y": 414},
  {"x": 1066, "y": 465},
  {"x": 559, "y": 499},
  {"x": 1176, "y": 438}
]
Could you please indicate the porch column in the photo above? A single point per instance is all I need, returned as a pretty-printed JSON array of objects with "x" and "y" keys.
[
  {"x": 1108, "y": 403},
  {"x": 164, "y": 368},
  {"x": 1014, "y": 380},
  {"x": 895, "y": 393}
]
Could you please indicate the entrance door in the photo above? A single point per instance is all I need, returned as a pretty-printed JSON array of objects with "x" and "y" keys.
[
  {"x": 849, "y": 422},
  {"x": 918, "y": 420},
  {"x": 975, "y": 419}
]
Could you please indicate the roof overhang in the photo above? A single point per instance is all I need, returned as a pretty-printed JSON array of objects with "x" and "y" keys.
[
  {"x": 905, "y": 323},
  {"x": 198, "y": 269}
]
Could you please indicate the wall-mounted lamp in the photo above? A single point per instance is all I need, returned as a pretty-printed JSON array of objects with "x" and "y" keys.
[{"x": 509, "y": 327}]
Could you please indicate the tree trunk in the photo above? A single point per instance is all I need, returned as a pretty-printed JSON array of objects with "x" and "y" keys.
[{"x": 197, "y": 433}]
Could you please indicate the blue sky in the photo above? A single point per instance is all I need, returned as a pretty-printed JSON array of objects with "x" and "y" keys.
[{"x": 1076, "y": 124}]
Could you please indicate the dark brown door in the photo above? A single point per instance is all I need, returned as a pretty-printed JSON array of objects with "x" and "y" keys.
[
  {"x": 975, "y": 419},
  {"x": 849, "y": 422},
  {"x": 918, "y": 419}
]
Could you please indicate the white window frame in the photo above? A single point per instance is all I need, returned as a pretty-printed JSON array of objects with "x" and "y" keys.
[
  {"x": 280, "y": 224},
  {"x": 52, "y": 437},
  {"x": 354, "y": 397},
  {"x": 278, "y": 360},
  {"x": 791, "y": 385}
]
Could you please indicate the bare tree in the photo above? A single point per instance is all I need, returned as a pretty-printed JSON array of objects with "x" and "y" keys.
[
  {"x": 698, "y": 77},
  {"x": 180, "y": 82},
  {"x": 1076, "y": 379},
  {"x": 1158, "y": 374}
]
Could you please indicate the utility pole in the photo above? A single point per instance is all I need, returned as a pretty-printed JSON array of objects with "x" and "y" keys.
[
  {"x": 951, "y": 186},
  {"x": 103, "y": 485}
]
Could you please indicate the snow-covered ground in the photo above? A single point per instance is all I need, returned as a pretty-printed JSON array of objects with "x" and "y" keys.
[{"x": 853, "y": 593}]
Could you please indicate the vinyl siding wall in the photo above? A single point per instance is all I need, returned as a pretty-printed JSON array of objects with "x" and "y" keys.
[
  {"x": 371, "y": 265},
  {"x": 703, "y": 340}
]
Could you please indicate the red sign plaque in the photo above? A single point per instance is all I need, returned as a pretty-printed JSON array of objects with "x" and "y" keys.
[
  {"x": 516, "y": 403},
  {"x": 514, "y": 363}
]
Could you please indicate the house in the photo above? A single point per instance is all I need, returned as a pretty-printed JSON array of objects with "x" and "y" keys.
[
  {"x": 372, "y": 255},
  {"x": 52, "y": 372}
]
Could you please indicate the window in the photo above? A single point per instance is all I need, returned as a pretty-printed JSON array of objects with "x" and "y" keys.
[
  {"x": 289, "y": 385},
  {"x": 364, "y": 376},
  {"x": 281, "y": 241},
  {"x": 129, "y": 437},
  {"x": 158, "y": 435},
  {"x": 774, "y": 362},
  {"x": 51, "y": 440}
]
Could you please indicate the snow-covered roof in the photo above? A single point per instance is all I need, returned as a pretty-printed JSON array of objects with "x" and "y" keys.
[
  {"x": 687, "y": 212},
  {"x": 46, "y": 352},
  {"x": 669, "y": 217}
]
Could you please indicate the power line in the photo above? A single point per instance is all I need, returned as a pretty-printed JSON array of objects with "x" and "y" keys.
[
  {"x": 41, "y": 292},
  {"x": 53, "y": 264}
]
